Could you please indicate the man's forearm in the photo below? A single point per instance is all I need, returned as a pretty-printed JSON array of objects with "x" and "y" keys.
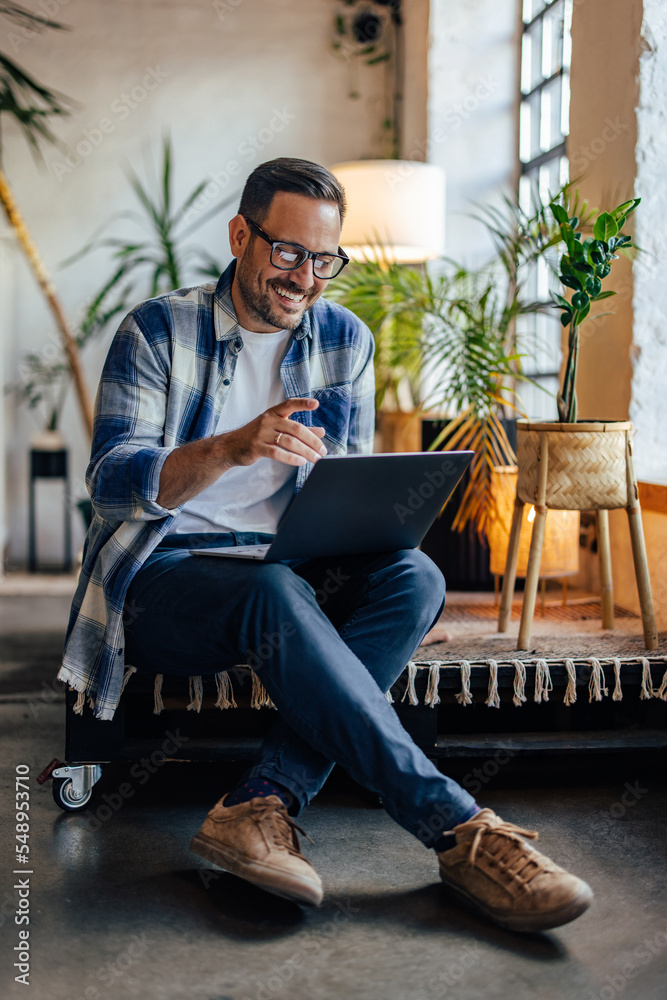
[{"x": 191, "y": 468}]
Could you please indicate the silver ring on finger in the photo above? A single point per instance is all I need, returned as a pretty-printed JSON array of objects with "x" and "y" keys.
[{"x": 277, "y": 439}]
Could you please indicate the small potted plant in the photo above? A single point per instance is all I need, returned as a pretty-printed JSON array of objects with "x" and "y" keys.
[{"x": 572, "y": 464}]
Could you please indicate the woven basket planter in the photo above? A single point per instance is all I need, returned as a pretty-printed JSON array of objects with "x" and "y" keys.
[
  {"x": 587, "y": 464},
  {"x": 582, "y": 466}
]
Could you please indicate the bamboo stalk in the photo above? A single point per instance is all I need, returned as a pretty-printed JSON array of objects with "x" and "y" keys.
[{"x": 70, "y": 345}]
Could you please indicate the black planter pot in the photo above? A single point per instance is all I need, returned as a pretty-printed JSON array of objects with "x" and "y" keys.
[{"x": 461, "y": 557}]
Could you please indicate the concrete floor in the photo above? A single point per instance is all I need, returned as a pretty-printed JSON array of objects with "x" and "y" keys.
[{"x": 120, "y": 909}]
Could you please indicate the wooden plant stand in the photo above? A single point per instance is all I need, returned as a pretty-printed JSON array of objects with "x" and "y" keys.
[{"x": 582, "y": 466}]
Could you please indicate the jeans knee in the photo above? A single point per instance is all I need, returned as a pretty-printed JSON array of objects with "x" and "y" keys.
[
  {"x": 280, "y": 586},
  {"x": 430, "y": 584}
]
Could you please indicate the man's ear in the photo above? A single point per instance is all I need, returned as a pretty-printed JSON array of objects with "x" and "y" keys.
[{"x": 239, "y": 234}]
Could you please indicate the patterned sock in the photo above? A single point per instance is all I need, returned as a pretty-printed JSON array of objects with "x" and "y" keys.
[
  {"x": 258, "y": 787},
  {"x": 447, "y": 841}
]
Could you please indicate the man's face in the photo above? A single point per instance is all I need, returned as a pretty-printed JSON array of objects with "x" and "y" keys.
[{"x": 265, "y": 297}]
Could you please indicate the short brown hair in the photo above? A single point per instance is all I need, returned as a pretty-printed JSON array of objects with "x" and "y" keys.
[{"x": 287, "y": 173}]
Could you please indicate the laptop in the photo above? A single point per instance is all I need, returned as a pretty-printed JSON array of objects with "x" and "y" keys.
[{"x": 353, "y": 504}]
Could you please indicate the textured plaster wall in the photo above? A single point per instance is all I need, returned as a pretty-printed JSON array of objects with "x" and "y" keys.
[
  {"x": 601, "y": 148},
  {"x": 649, "y": 378}
]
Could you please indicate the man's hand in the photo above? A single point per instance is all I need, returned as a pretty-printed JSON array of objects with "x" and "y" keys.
[
  {"x": 193, "y": 467},
  {"x": 273, "y": 435}
]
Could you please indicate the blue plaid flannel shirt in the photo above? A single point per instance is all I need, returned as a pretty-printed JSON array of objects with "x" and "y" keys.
[{"x": 164, "y": 383}]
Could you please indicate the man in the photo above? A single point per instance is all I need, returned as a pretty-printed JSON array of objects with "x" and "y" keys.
[{"x": 214, "y": 404}]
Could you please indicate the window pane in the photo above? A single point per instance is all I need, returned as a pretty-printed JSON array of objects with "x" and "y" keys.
[{"x": 543, "y": 125}]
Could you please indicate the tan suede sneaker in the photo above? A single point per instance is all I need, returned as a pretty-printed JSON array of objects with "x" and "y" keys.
[
  {"x": 494, "y": 868},
  {"x": 257, "y": 841}
]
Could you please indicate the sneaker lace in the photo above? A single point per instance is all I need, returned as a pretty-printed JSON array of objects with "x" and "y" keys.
[
  {"x": 504, "y": 844},
  {"x": 281, "y": 828}
]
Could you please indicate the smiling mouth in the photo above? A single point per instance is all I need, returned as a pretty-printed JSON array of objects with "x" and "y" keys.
[{"x": 291, "y": 298}]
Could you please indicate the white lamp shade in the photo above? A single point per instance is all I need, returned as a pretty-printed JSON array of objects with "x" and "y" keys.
[{"x": 397, "y": 205}]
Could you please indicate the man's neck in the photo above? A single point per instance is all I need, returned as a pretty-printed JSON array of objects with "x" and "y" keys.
[{"x": 246, "y": 319}]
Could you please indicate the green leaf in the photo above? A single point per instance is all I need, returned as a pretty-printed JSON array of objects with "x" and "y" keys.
[
  {"x": 604, "y": 295},
  {"x": 582, "y": 267},
  {"x": 605, "y": 227},
  {"x": 559, "y": 214},
  {"x": 602, "y": 270},
  {"x": 577, "y": 253},
  {"x": 565, "y": 318},
  {"x": 623, "y": 241},
  {"x": 572, "y": 281},
  {"x": 593, "y": 285},
  {"x": 580, "y": 300},
  {"x": 583, "y": 312},
  {"x": 561, "y": 301}
]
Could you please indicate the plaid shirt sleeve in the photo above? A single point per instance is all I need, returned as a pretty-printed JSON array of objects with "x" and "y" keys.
[
  {"x": 362, "y": 411},
  {"x": 128, "y": 450}
]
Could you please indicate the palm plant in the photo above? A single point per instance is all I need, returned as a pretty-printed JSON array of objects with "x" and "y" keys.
[
  {"x": 32, "y": 106},
  {"x": 158, "y": 261},
  {"x": 457, "y": 331},
  {"x": 390, "y": 299}
]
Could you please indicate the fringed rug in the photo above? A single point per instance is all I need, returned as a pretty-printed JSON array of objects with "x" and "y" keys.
[{"x": 568, "y": 650}]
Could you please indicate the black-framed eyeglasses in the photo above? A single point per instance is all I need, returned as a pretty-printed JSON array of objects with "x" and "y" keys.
[{"x": 289, "y": 256}]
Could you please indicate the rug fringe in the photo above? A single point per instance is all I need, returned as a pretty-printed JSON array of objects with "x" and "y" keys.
[
  {"x": 493, "y": 700},
  {"x": 618, "y": 691},
  {"x": 158, "y": 704},
  {"x": 596, "y": 684},
  {"x": 195, "y": 693},
  {"x": 464, "y": 697},
  {"x": 647, "y": 681},
  {"x": 432, "y": 697},
  {"x": 223, "y": 683},
  {"x": 543, "y": 684},
  {"x": 571, "y": 689},
  {"x": 410, "y": 691},
  {"x": 519, "y": 696}
]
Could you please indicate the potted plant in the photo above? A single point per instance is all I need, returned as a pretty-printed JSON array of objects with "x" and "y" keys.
[
  {"x": 450, "y": 339},
  {"x": 579, "y": 465},
  {"x": 31, "y": 106}
]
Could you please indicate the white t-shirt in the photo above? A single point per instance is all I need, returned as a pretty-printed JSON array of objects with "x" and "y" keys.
[{"x": 248, "y": 497}]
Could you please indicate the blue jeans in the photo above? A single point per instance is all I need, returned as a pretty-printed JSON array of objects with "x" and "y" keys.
[{"x": 328, "y": 637}]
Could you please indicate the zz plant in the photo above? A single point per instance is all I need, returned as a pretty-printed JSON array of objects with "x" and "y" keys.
[{"x": 583, "y": 268}]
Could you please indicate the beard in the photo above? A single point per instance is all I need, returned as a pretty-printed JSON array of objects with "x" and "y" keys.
[{"x": 257, "y": 297}]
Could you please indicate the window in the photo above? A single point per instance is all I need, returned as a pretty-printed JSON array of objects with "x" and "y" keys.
[{"x": 543, "y": 126}]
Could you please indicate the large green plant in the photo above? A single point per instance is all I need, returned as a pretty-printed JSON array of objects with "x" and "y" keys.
[
  {"x": 142, "y": 267},
  {"x": 453, "y": 335},
  {"x": 391, "y": 299},
  {"x": 160, "y": 258},
  {"x": 32, "y": 106},
  {"x": 583, "y": 268}
]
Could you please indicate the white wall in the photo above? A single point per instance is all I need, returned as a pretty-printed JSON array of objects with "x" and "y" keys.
[
  {"x": 218, "y": 73},
  {"x": 650, "y": 289},
  {"x": 6, "y": 307},
  {"x": 472, "y": 112}
]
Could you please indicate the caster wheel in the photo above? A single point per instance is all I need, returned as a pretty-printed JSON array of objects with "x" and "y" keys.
[{"x": 64, "y": 798}]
